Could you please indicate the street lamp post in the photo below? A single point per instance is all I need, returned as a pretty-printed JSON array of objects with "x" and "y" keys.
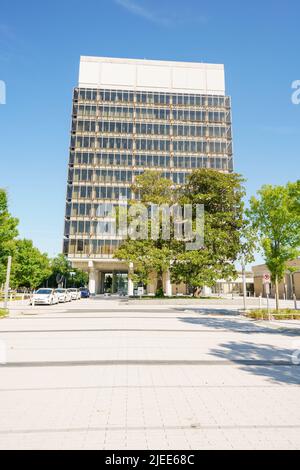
[
  {"x": 7, "y": 282},
  {"x": 244, "y": 285},
  {"x": 292, "y": 283}
]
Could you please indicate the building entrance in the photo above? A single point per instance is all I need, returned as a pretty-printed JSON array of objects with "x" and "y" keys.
[{"x": 114, "y": 283}]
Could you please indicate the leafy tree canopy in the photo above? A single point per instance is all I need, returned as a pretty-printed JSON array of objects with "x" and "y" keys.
[
  {"x": 152, "y": 188},
  {"x": 275, "y": 215},
  {"x": 30, "y": 267},
  {"x": 222, "y": 197},
  {"x": 150, "y": 255},
  {"x": 61, "y": 268},
  {"x": 8, "y": 233}
]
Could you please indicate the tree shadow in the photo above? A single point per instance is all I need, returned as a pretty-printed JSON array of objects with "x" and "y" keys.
[
  {"x": 212, "y": 311},
  {"x": 264, "y": 360},
  {"x": 261, "y": 359},
  {"x": 239, "y": 325}
]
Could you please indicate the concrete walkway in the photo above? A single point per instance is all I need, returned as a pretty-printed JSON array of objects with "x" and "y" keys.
[{"x": 102, "y": 374}]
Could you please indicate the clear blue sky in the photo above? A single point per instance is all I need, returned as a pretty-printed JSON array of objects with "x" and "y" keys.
[{"x": 40, "y": 45}]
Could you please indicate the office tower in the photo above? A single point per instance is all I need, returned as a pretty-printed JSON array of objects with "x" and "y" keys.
[{"x": 129, "y": 116}]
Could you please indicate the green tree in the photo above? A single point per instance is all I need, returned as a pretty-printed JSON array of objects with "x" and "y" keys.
[
  {"x": 150, "y": 255},
  {"x": 61, "y": 268},
  {"x": 136, "y": 252},
  {"x": 199, "y": 268},
  {"x": 8, "y": 233},
  {"x": 151, "y": 188},
  {"x": 146, "y": 258},
  {"x": 79, "y": 279},
  {"x": 30, "y": 267},
  {"x": 275, "y": 215},
  {"x": 222, "y": 196}
]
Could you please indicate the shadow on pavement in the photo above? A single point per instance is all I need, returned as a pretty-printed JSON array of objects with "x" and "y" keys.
[
  {"x": 242, "y": 326},
  {"x": 211, "y": 311},
  {"x": 286, "y": 372},
  {"x": 264, "y": 360}
]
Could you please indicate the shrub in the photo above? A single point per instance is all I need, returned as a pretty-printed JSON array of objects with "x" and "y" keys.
[
  {"x": 284, "y": 314},
  {"x": 160, "y": 293},
  {"x": 3, "y": 313}
]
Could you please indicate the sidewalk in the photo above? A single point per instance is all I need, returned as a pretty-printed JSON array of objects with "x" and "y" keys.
[{"x": 103, "y": 375}]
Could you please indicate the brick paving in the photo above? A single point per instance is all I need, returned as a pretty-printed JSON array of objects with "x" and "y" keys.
[{"x": 102, "y": 374}]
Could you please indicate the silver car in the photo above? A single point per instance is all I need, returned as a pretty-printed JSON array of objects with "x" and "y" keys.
[
  {"x": 44, "y": 296},
  {"x": 63, "y": 295},
  {"x": 75, "y": 293}
]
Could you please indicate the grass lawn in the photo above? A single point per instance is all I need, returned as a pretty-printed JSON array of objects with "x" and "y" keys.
[
  {"x": 283, "y": 314},
  {"x": 3, "y": 313},
  {"x": 10, "y": 300}
]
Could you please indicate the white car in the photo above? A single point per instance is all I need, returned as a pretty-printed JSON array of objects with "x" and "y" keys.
[
  {"x": 63, "y": 295},
  {"x": 44, "y": 296},
  {"x": 75, "y": 293}
]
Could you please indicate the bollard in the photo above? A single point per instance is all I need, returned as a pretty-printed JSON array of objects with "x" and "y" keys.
[
  {"x": 295, "y": 302},
  {"x": 3, "y": 353},
  {"x": 268, "y": 307}
]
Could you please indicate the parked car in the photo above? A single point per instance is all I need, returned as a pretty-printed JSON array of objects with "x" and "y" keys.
[
  {"x": 63, "y": 295},
  {"x": 44, "y": 296},
  {"x": 84, "y": 292},
  {"x": 69, "y": 297},
  {"x": 75, "y": 293}
]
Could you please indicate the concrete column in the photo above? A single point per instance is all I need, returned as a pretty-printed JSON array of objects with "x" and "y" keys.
[
  {"x": 130, "y": 281},
  {"x": 92, "y": 282},
  {"x": 168, "y": 285},
  {"x": 92, "y": 278},
  {"x": 206, "y": 291},
  {"x": 97, "y": 279}
]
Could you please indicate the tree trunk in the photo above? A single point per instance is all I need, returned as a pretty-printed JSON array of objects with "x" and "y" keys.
[
  {"x": 159, "y": 284},
  {"x": 277, "y": 293},
  {"x": 197, "y": 291}
]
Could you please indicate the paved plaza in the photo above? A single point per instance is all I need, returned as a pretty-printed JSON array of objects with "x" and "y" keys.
[{"x": 108, "y": 374}]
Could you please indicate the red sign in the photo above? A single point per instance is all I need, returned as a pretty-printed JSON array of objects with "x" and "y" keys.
[{"x": 266, "y": 278}]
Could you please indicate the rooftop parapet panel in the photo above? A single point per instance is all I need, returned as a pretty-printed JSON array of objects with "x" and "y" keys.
[{"x": 152, "y": 75}]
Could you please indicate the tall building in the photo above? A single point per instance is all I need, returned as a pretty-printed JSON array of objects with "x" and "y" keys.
[{"x": 128, "y": 116}]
